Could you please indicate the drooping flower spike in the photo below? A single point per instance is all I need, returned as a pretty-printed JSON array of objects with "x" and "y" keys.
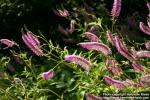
[
  {"x": 7, "y": 42},
  {"x": 144, "y": 28},
  {"x": 85, "y": 64},
  {"x": 116, "y": 83},
  {"x": 91, "y": 36},
  {"x": 32, "y": 44},
  {"x": 113, "y": 67},
  {"x": 48, "y": 75},
  {"x": 148, "y": 5},
  {"x": 131, "y": 83},
  {"x": 143, "y": 53},
  {"x": 61, "y": 13},
  {"x": 123, "y": 50},
  {"x": 145, "y": 81},
  {"x": 110, "y": 38},
  {"x": 137, "y": 66},
  {"x": 115, "y": 12},
  {"x": 97, "y": 47},
  {"x": 33, "y": 38}
]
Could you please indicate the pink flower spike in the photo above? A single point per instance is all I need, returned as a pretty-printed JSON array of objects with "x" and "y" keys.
[
  {"x": 30, "y": 43},
  {"x": 33, "y": 38},
  {"x": 144, "y": 28},
  {"x": 113, "y": 67},
  {"x": 115, "y": 12},
  {"x": 131, "y": 83},
  {"x": 116, "y": 83},
  {"x": 145, "y": 81},
  {"x": 61, "y": 13},
  {"x": 97, "y": 47},
  {"x": 48, "y": 75},
  {"x": 7, "y": 42},
  {"x": 91, "y": 36},
  {"x": 137, "y": 66},
  {"x": 110, "y": 38},
  {"x": 148, "y": 5},
  {"x": 85, "y": 64},
  {"x": 147, "y": 45},
  {"x": 143, "y": 53},
  {"x": 123, "y": 50}
]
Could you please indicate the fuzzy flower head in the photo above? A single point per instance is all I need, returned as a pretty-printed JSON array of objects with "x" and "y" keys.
[
  {"x": 85, "y": 64},
  {"x": 97, "y": 47},
  {"x": 48, "y": 75},
  {"x": 7, "y": 42},
  {"x": 115, "y": 12}
]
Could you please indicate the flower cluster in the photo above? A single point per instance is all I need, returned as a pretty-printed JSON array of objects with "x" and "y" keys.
[{"x": 32, "y": 42}]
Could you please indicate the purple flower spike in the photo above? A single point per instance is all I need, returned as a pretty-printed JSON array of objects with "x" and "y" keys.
[
  {"x": 61, "y": 13},
  {"x": 48, "y": 75},
  {"x": 143, "y": 53},
  {"x": 123, "y": 50},
  {"x": 131, "y": 83},
  {"x": 96, "y": 46},
  {"x": 116, "y": 83},
  {"x": 110, "y": 38},
  {"x": 7, "y": 42},
  {"x": 32, "y": 45},
  {"x": 93, "y": 97},
  {"x": 92, "y": 37},
  {"x": 148, "y": 5},
  {"x": 147, "y": 45},
  {"x": 113, "y": 67},
  {"x": 115, "y": 12},
  {"x": 137, "y": 66},
  {"x": 144, "y": 28},
  {"x": 145, "y": 81},
  {"x": 85, "y": 64},
  {"x": 33, "y": 38}
]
